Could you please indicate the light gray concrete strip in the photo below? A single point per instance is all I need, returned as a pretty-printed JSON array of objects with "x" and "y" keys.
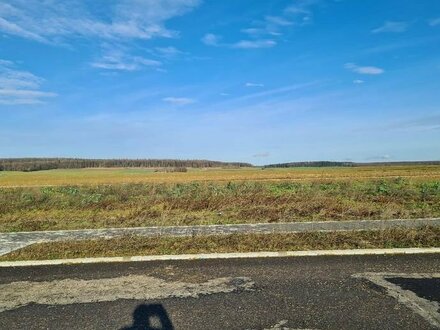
[
  {"x": 7, "y": 247},
  {"x": 20, "y": 239},
  {"x": 208, "y": 256},
  {"x": 138, "y": 287},
  {"x": 426, "y": 308}
]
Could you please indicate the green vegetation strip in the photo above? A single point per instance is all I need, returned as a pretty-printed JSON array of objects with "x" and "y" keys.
[
  {"x": 132, "y": 205},
  {"x": 135, "y": 245},
  {"x": 193, "y": 203}
]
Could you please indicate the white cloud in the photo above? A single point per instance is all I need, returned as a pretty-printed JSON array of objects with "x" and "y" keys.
[
  {"x": 126, "y": 19},
  {"x": 253, "y": 44},
  {"x": 211, "y": 39},
  {"x": 301, "y": 10},
  {"x": 117, "y": 60},
  {"x": 434, "y": 21},
  {"x": 370, "y": 70},
  {"x": 14, "y": 29},
  {"x": 20, "y": 87},
  {"x": 6, "y": 63},
  {"x": 263, "y": 33},
  {"x": 23, "y": 93},
  {"x": 11, "y": 78},
  {"x": 168, "y": 52},
  {"x": 278, "y": 20},
  {"x": 253, "y": 31},
  {"x": 178, "y": 100},
  {"x": 389, "y": 26},
  {"x": 250, "y": 84},
  {"x": 358, "y": 81},
  {"x": 300, "y": 7},
  {"x": 297, "y": 14}
]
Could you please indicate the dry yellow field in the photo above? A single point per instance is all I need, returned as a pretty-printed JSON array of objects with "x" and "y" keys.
[
  {"x": 125, "y": 175},
  {"x": 99, "y": 198}
]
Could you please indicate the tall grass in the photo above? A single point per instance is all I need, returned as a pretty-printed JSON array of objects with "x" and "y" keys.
[
  {"x": 135, "y": 245},
  {"x": 63, "y": 207}
]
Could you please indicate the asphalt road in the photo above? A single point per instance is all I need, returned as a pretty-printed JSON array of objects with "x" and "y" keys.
[{"x": 271, "y": 293}]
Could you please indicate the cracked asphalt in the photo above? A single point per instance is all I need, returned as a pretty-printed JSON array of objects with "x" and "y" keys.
[{"x": 286, "y": 293}]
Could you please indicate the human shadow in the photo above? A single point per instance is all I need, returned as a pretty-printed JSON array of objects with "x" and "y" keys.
[{"x": 150, "y": 317}]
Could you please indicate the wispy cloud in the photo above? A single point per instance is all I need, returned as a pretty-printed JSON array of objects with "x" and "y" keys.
[
  {"x": 263, "y": 33},
  {"x": 23, "y": 96},
  {"x": 6, "y": 63},
  {"x": 253, "y": 31},
  {"x": 278, "y": 20},
  {"x": 52, "y": 20},
  {"x": 261, "y": 155},
  {"x": 429, "y": 122},
  {"x": 301, "y": 9},
  {"x": 253, "y": 44},
  {"x": 270, "y": 94},
  {"x": 370, "y": 70},
  {"x": 168, "y": 52},
  {"x": 250, "y": 84},
  {"x": 393, "y": 27},
  {"x": 115, "y": 59},
  {"x": 20, "y": 87},
  {"x": 434, "y": 21},
  {"x": 179, "y": 101},
  {"x": 211, "y": 39},
  {"x": 358, "y": 81},
  {"x": 12, "y": 78},
  {"x": 296, "y": 14}
]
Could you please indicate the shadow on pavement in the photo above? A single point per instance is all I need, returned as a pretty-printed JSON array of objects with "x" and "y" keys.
[{"x": 150, "y": 317}]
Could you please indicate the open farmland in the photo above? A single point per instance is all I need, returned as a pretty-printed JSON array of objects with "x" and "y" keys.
[
  {"x": 148, "y": 175},
  {"x": 96, "y": 198}
]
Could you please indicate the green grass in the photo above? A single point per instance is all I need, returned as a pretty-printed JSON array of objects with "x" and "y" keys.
[
  {"x": 196, "y": 203},
  {"x": 132, "y": 245}
]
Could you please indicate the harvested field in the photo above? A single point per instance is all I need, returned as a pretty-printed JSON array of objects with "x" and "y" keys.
[
  {"x": 222, "y": 201},
  {"x": 306, "y": 174}
]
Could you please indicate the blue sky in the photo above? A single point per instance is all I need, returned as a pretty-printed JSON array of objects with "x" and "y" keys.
[{"x": 249, "y": 80}]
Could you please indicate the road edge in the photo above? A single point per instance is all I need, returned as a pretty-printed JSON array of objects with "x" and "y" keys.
[{"x": 206, "y": 256}]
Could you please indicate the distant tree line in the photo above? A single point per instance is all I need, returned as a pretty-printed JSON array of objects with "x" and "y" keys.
[
  {"x": 427, "y": 162},
  {"x": 348, "y": 164},
  {"x": 311, "y": 164},
  {"x": 172, "y": 165},
  {"x": 38, "y": 164}
]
